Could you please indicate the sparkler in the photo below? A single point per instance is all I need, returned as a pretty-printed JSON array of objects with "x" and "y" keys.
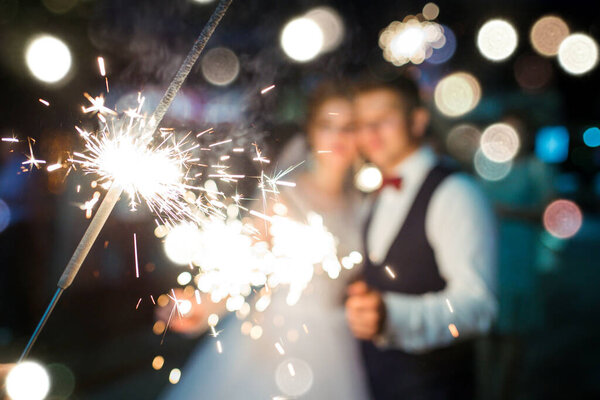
[{"x": 119, "y": 183}]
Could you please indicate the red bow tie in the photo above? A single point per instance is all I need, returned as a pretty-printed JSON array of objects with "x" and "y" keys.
[{"x": 394, "y": 182}]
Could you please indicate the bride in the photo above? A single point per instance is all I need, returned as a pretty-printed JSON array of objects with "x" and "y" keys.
[{"x": 304, "y": 350}]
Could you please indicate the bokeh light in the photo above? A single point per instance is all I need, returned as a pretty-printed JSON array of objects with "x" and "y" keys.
[
  {"x": 59, "y": 6},
  {"x": 368, "y": 178},
  {"x": 331, "y": 24},
  {"x": 552, "y": 144},
  {"x": 490, "y": 170},
  {"x": 4, "y": 215},
  {"x": 562, "y": 218},
  {"x": 457, "y": 94},
  {"x": 547, "y": 34},
  {"x": 302, "y": 39},
  {"x": 497, "y": 39},
  {"x": 578, "y": 54},
  {"x": 220, "y": 66},
  {"x": 294, "y": 377},
  {"x": 591, "y": 138},
  {"x": 184, "y": 278},
  {"x": 181, "y": 244},
  {"x": 463, "y": 141},
  {"x": 532, "y": 72},
  {"x": 411, "y": 40},
  {"x": 28, "y": 380},
  {"x": 48, "y": 58},
  {"x": 444, "y": 53},
  {"x": 431, "y": 11},
  {"x": 500, "y": 142},
  {"x": 174, "y": 375},
  {"x": 158, "y": 362}
]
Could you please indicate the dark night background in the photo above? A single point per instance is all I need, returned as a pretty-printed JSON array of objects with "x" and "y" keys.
[{"x": 97, "y": 345}]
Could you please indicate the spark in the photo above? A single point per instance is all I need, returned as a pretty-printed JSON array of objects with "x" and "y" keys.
[
  {"x": 152, "y": 298},
  {"x": 305, "y": 328},
  {"x": 390, "y": 272},
  {"x": 268, "y": 88},
  {"x": 453, "y": 330},
  {"x": 198, "y": 298},
  {"x": 101, "y": 66},
  {"x": 209, "y": 130},
  {"x": 323, "y": 151},
  {"x": 137, "y": 269},
  {"x": 291, "y": 369},
  {"x": 31, "y": 160},
  {"x": 97, "y": 106},
  {"x": 44, "y": 102},
  {"x": 220, "y": 143},
  {"x": 138, "y": 303},
  {"x": 449, "y": 306},
  {"x": 279, "y": 348},
  {"x": 219, "y": 347},
  {"x": 54, "y": 167},
  {"x": 238, "y": 150},
  {"x": 10, "y": 139}
]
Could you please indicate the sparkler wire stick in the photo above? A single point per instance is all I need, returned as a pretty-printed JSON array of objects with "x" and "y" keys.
[{"x": 113, "y": 194}]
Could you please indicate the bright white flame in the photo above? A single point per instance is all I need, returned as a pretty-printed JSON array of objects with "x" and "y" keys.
[
  {"x": 578, "y": 54},
  {"x": 48, "y": 58},
  {"x": 302, "y": 39},
  {"x": 497, "y": 40},
  {"x": 457, "y": 94},
  {"x": 368, "y": 178},
  {"x": 27, "y": 381}
]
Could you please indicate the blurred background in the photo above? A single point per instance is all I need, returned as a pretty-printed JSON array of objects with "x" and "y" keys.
[{"x": 520, "y": 72}]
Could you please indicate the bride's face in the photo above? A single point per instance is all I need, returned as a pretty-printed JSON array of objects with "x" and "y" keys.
[{"x": 332, "y": 135}]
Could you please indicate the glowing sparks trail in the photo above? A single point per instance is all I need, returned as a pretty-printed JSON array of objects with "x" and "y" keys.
[
  {"x": 267, "y": 89},
  {"x": 101, "y": 66},
  {"x": 130, "y": 140},
  {"x": 137, "y": 269}
]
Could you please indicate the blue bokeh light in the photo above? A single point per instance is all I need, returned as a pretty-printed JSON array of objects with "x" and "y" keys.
[
  {"x": 445, "y": 53},
  {"x": 552, "y": 144},
  {"x": 591, "y": 137}
]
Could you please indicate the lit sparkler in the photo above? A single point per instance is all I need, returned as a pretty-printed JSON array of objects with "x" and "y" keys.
[{"x": 105, "y": 163}]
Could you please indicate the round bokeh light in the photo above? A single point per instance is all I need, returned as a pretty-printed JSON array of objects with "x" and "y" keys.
[
  {"x": 562, "y": 218},
  {"x": 48, "y": 58},
  {"x": 457, "y": 94},
  {"x": 302, "y": 39},
  {"x": 220, "y": 66},
  {"x": 500, "y": 142},
  {"x": 27, "y": 381},
  {"x": 497, "y": 40},
  {"x": 547, "y": 34},
  {"x": 578, "y": 54},
  {"x": 294, "y": 377}
]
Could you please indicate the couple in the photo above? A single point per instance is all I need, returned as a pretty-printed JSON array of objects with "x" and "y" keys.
[{"x": 399, "y": 328}]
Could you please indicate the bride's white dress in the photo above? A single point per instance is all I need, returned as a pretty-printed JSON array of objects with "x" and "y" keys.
[{"x": 321, "y": 359}]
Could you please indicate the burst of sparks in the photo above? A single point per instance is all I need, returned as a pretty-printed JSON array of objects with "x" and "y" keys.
[
  {"x": 31, "y": 160},
  {"x": 153, "y": 170}
]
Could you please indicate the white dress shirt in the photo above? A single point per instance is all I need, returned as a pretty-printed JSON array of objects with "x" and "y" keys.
[{"x": 460, "y": 228}]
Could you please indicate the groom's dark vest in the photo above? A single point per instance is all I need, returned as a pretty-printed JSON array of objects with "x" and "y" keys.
[{"x": 443, "y": 373}]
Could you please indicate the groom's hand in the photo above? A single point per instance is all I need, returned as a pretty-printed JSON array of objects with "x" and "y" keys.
[{"x": 365, "y": 311}]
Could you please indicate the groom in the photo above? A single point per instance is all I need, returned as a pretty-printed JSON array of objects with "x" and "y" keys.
[{"x": 430, "y": 240}]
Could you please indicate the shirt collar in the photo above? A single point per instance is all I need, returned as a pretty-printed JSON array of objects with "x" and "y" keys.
[{"x": 414, "y": 168}]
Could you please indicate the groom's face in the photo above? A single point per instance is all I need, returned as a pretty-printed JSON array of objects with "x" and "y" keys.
[{"x": 384, "y": 128}]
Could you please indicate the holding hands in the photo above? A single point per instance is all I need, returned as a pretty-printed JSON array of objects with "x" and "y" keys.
[{"x": 365, "y": 311}]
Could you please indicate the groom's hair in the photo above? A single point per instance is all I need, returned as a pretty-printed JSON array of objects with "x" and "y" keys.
[{"x": 404, "y": 87}]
